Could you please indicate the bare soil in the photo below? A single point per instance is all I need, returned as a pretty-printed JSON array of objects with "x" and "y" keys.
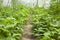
[{"x": 27, "y": 30}]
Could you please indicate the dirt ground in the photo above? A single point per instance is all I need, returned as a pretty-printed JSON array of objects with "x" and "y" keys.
[
  {"x": 27, "y": 33},
  {"x": 27, "y": 29}
]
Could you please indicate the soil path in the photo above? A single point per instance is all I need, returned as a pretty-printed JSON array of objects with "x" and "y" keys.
[{"x": 27, "y": 29}]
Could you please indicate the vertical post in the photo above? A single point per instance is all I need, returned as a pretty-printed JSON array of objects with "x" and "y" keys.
[{"x": 37, "y": 3}]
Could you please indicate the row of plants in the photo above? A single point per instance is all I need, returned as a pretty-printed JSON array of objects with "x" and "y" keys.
[
  {"x": 12, "y": 21},
  {"x": 46, "y": 22}
]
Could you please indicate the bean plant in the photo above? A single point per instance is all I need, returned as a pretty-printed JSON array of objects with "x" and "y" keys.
[
  {"x": 46, "y": 22},
  {"x": 12, "y": 21}
]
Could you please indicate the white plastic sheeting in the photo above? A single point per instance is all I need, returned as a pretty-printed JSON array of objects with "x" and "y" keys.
[
  {"x": 7, "y": 2},
  {"x": 31, "y": 3},
  {"x": 44, "y": 3},
  {"x": 28, "y": 2}
]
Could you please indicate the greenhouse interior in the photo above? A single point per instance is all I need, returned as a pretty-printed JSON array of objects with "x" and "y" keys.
[{"x": 29, "y": 19}]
